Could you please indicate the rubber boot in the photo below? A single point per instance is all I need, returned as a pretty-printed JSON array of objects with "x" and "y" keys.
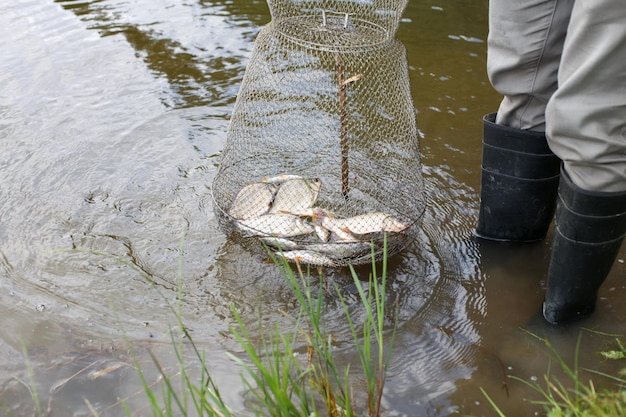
[
  {"x": 519, "y": 184},
  {"x": 589, "y": 231}
]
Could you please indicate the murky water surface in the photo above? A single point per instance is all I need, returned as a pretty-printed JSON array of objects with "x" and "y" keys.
[{"x": 113, "y": 114}]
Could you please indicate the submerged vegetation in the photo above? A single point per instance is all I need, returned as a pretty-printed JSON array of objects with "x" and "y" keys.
[
  {"x": 295, "y": 371},
  {"x": 292, "y": 372},
  {"x": 576, "y": 397}
]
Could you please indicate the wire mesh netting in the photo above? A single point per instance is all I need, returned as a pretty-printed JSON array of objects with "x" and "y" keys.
[{"x": 322, "y": 162}]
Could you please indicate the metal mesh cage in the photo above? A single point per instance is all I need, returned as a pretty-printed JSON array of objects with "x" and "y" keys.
[
  {"x": 322, "y": 155},
  {"x": 379, "y": 19}
]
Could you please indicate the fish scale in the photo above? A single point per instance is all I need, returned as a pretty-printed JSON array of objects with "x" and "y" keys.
[
  {"x": 275, "y": 224},
  {"x": 296, "y": 196},
  {"x": 253, "y": 200}
]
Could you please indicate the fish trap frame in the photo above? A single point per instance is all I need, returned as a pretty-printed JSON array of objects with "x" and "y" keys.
[{"x": 326, "y": 96}]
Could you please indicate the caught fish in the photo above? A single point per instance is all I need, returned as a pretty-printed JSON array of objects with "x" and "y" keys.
[
  {"x": 296, "y": 196},
  {"x": 325, "y": 226},
  {"x": 340, "y": 234},
  {"x": 340, "y": 250},
  {"x": 279, "y": 179},
  {"x": 280, "y": 243},
  {"x": 317, "y": 214},
  {"x": 364, "y": 224},
  {"x": 253, "y": 200},
  {"x": 338, "y": 231},
  {"x": 307, "y": 257},
  {"x": 276, "y": 224},
  {"x": 322, "y": 233}
]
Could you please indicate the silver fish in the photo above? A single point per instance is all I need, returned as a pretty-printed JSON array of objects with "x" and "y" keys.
[
  {"x": 326, "y": 226},
  {"x": 366, "y": 223},
  {"x": 280, "y": 243},
  {"x": 279, "y": 179},
  {"x": 340, "y": 250},
  {"x": 317, "y": 215},
  {"x": 323, "y": 234},
  {"x": 307, "y": 257},
  {"x": 338, "y": 231},
  {"x": 277, "y": 225},
  {"x": 252, "y": 201},
  {"x": 296, "y": 196}
]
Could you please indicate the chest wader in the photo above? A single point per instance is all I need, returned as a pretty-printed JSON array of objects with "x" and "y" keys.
[
  {"x": 519, "y": 183},
  {"x": 589, "y": 231}
]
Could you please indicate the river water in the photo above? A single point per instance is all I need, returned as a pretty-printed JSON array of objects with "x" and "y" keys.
[{"x": 113, "y": 114}]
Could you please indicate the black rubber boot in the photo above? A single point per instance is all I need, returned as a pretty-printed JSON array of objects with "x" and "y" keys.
[
  {"x": 589, "y": 231},
  {"x": 519, "y": 183}
]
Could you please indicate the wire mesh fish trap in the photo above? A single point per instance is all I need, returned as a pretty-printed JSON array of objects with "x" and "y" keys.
[{"x": 322, "y": 155}]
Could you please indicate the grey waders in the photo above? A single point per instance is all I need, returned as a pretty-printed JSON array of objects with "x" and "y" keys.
[
  {"x": 589, "y": 231},
  {"x": 519, "y": 183}
]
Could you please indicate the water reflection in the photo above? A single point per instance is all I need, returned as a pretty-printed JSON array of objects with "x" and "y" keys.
[
  {"x": 199, "y": 48},
  {"x": 100, "y": 180}
]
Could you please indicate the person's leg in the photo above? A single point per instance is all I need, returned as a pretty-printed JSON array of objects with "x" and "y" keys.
[
  {"x": 520, "y": 175},
  {"x": 587, "y": 115},
  {"x": 518, "y": 185},
  {"x": 586, "y": 127},
  {"x": 590, "y": 227},
  {"x": 524, "y": 44}
]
